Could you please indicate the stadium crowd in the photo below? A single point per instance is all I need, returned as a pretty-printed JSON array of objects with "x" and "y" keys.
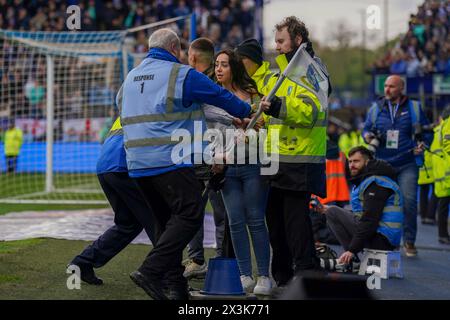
[
  {"x": 139, "y": 176},
  {"x": 226, "y": 22},
  {"x": 425, "y": 48}
]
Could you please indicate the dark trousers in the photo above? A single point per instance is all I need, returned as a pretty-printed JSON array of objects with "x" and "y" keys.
[
  {"x": 443, "y": 216},
  {"x": 131, "y": 215},
  {"x": 344, "y": 223},
  {"x": 195, "y": 248},
  {"x": 176, "y": 200},
  {"x": 227, "y": 243},
  {"x": 290, "y": 233},
  {"x": 427, "y": 206},
  {"x": 11, "y": 163}
]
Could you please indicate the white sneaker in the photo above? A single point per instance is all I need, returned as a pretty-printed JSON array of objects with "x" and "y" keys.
[
  {"x": 247, "y": 283},
  {"x": 263, "y": 286}
]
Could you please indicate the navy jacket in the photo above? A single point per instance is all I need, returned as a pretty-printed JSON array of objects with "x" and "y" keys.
[
  {"x": 402, "y": 122},
  {"x": 198, "y": 88},
  {"x": 112, "y": 156}
]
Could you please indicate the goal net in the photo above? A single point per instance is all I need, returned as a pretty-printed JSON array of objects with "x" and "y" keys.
[{"x": 57, "y": 105}]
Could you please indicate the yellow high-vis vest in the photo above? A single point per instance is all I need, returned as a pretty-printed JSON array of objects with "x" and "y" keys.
[
  {"x": 349, "y": 140},
  {"x": 426, "y": 171},
  {"x": 13, "y": 142},
  {"x": 302, "y": 124},
  {"x": 441, "y": 164}
]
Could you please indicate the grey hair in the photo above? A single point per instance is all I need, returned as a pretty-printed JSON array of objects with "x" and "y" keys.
[{"x": 164, "y": 38}]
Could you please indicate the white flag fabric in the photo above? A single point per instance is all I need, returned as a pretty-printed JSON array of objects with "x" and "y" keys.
[{"x": 308, "y": 73}]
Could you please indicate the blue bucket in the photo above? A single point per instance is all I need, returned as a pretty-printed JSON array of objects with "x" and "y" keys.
[{"x": 223, "y": 278}]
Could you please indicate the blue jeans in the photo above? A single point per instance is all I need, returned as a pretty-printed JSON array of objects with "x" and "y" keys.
[
  {"x": 407, "y": 180},
  {"x": 245, "y": 197}
]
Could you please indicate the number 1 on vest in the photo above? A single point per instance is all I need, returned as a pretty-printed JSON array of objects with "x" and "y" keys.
[{"x": 142, "y": 87}]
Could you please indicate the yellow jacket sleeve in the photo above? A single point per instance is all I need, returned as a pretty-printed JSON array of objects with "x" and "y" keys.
[
  {"x": 299, "y": 107},
  {"x": 446, "y": 136}
]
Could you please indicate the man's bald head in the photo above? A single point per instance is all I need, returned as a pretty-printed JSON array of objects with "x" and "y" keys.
[
  {"x": 393, "y": 87},
  {"x": 166, "y": 39}
]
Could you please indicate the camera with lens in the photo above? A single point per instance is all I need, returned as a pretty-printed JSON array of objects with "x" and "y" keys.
[
  {"x": 376, "y": 138},
  {"x": 420, "y": 130},
  {"x": 315, "y": 203}
]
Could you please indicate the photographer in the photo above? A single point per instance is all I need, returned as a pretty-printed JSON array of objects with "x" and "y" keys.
[
  {"x": 377, "y": 205},
  {"x": 393, "y": 129}
]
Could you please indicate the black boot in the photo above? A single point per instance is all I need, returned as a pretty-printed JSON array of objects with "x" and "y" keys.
[
  {"x": 87, "y": 274},
  {"x": 153, "y": 287}
]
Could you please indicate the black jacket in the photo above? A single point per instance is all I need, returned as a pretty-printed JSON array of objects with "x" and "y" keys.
[
  {"x": 303, "y": 177},
  {"x": 375, "y": 198}
]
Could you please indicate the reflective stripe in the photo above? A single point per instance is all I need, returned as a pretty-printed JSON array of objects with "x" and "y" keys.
[
  {"x": 116, "y": 132},
  {"x": 159, "y": 117},
  {"x": 170, "y": 96},
  {"x": 283, "y": 109},
  {"x": 300, "y": 158},
  {"x": 335, "y": 175},
  {"x": 148, "y": 142},
  {"x": 392, "y": 209},
  {"x": 322, "y": 123},
  {"x": 445, "y": 177},
  {"x": 447, "y": 137},
  {"x": 416, "y": 110},
  {"x": 393, "y": 225},
  {"x": 267, "y": 78}
]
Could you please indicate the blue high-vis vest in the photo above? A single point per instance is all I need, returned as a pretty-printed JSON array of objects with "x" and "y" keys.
[
  {"x": 391, "y": 222},
  {"x": 153, "y": 117},
  {"x": 112, "y": 155}
]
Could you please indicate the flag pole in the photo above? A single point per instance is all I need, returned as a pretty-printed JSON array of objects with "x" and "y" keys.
[{"x": 275, "y": 88}]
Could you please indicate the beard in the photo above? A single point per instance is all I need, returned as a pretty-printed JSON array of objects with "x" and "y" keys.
[{"x": 355, "y": 172}]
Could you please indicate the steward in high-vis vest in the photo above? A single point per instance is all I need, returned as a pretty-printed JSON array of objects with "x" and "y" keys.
[
  {"x": 391, "y": 220},
  {"x": 337, "y": 186},
  {"x": 427, "y": 202},
  {"x": 441, "y": 173},
  {"x": 13, "y": 143},
  {"x": 296, "y": 135},
  {"x": 161, "y": 101},
  {"x": 426, "y": 171},
  {"x": 131, "y": 212},
  {"x": 395, "y": 121},
  {"x": 349, "y": 140},
  {"x": 377, "y": 208}
]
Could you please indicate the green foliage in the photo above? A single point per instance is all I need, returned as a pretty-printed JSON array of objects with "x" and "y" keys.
[{"x": 345, "y": 65}]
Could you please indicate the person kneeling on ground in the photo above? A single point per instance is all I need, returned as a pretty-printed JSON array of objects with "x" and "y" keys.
[{"x": 377, "y": 209}]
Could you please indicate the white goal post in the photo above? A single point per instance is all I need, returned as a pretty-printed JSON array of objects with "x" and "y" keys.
[{"x": 58, "y": 90}]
